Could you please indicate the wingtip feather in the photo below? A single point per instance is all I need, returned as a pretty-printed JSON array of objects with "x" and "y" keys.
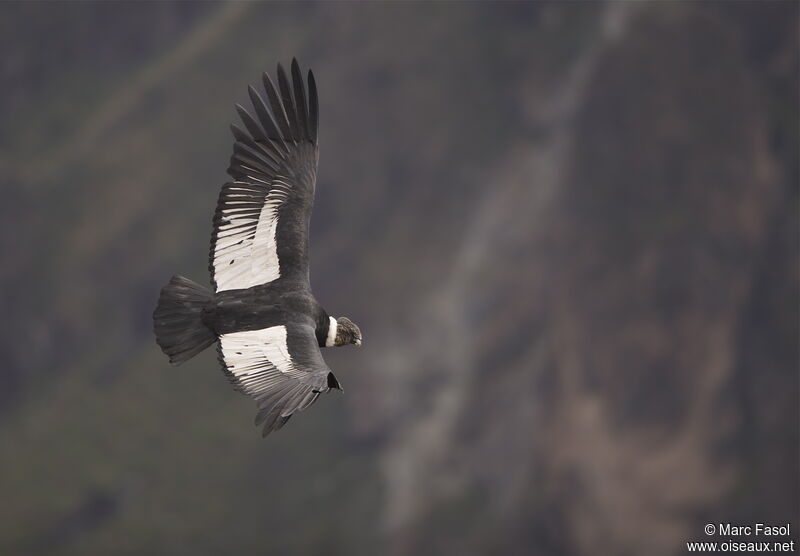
[
  {"x": 301, "y": 107},
  {"x": 288, "y": 102},
  {"x": 313, "y": 108}
]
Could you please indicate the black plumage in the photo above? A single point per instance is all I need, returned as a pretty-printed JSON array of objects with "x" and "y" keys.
[{"x": 268, "y": 325}]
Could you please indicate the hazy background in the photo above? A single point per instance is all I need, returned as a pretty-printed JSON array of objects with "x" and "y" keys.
[{"x": 569, "y": 233}]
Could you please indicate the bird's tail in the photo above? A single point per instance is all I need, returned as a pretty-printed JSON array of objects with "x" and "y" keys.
[{"x": 177, "y": 320}]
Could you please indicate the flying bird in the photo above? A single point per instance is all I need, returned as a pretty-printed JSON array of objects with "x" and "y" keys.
[{"x": 268, "y": 326}]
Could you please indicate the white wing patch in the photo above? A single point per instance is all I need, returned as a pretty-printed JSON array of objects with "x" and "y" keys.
[
  {"x": 253, "y": 354},
  {"x": 246, "y": 249}
]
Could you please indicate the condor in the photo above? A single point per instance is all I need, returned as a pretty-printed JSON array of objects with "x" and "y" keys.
[{"x": 268, "y": 326}]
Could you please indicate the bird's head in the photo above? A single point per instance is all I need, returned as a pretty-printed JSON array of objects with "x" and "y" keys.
[{"x": 347, "y": 332}]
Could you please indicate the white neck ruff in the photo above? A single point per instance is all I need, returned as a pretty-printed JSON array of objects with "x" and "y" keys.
[{"x": 331, "y": 339}]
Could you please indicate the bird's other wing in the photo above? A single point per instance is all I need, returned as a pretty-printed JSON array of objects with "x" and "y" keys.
[
  {"x": 280, "y": 366},
  {"x": 261, "y": 223}
]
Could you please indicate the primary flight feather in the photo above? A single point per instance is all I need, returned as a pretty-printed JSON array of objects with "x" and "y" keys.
[{"x": 268, "y": 325}]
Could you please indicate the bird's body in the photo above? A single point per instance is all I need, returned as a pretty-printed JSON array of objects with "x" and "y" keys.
[
  {"x": 264, "y": 306},
  {"x": 262, "y": 312}
]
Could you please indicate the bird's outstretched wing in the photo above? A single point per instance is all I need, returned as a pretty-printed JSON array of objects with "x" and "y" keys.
[
  {"x": 261, "y": 222},
  {"x": 280, "y": 366}
]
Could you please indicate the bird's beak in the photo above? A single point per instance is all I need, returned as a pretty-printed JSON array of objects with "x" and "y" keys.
[{"x": 358, "y": 342}]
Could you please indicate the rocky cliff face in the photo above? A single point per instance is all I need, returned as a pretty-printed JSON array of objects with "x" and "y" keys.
[
  {"x": 597, "y": 310},
  {"x": 568, "y": 232}
]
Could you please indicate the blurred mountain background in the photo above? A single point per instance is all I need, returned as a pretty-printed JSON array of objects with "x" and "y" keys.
[{"x": 568, "y": 231}]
